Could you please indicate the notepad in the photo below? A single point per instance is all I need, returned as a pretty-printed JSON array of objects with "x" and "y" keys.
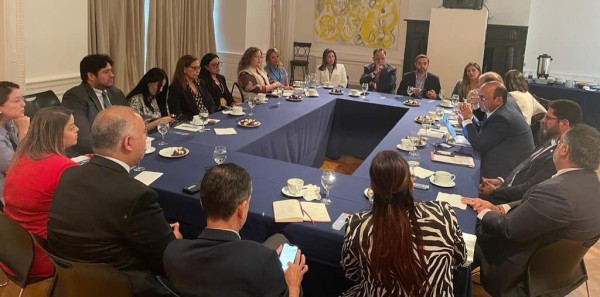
[
  {"x": 188, "y": 127},
  {"x": 148, "y": 177},
  {"x": 460, "y": 160},
  {"x": 225, "y": 131},
  {"x": 289, "y": 211}
]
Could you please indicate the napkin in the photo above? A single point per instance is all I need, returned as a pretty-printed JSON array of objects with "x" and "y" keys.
[
  {"x": 148, "y": 177},
  {"x": 148, "y": 138},
  {"x": 311, "y": 192},
  {"x": 225, "y": 131},
  {"x": 470, "y": 241},
  {"x": 453, "y": 199},
  {"x": 431, "y": 133},
  {"x": 188, "y": 127},
  {"x": 421, "y": 172}
]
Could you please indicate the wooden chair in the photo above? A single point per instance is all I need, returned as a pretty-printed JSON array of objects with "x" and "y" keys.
[
  {"x": 37, "y": 101},
  {"x": 236, "y": 85},
  {"x": 301, "y": 54}
]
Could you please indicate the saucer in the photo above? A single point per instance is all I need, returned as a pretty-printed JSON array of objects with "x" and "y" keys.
[
  {"x": 445, "y": 106},
  {"x": 150, "y": 150},
  {"x": 450, "y": 185},
  {"x": 352, "y": 95},
  {"x": 237, "y": 114},
  {"x": 287, "y": 193},
  {"x": 328, "y": 87}
]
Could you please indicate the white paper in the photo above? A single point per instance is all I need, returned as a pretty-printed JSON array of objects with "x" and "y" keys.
[
  {"x": 311, "y": 192},
  {"x": 470, "y": 241},
  {"x": 225, "y": 131},
  {"x": 430, "y": 133},
  {"x": 149, "y": 139},
  {"x": 421, "y": 172},
  {"x": 81, "y": 159},
  {"x": 148, "y": 177},
  {"x": 453, "y": 199},
  {"x": 188, "y": 127},
  {"x": 462, "y": 141}
]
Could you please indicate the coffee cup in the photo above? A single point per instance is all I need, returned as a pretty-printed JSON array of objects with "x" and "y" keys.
[
  {"x": 299, "y": 90},
  {"x": 196, "y": 120},
  {"x": 354, "y": 92},
  {"x": 443, "y": 177},
  {"x": 237, "y": 110},
  {"x": 432, "y": 115},
  {"x": 294, "y": 186},
  {"x": 446, "y": 103},
  {"x": 405, "y": 143},
  {"x": 569, "y": 83},
  {"x": 262, "y": 97},
  {"x": 148, "y": 143},
  {"x": 328, "y": 85},
  {"x": 312, "y": 92}
]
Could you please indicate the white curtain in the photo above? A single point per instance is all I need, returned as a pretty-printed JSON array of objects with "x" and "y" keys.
[{"x": 282, "y": 27}]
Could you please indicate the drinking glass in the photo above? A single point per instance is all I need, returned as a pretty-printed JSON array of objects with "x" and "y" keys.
[
  {"x": 137, "y": 166},
  {"x": 163, "y": 128},
  {"x": 328, "y": 181},
  {"x": 442, "y": 94},
  {"x": 413, "y": 161},
  {"x": 409, "y": 91},
  {"x": 440, "y": 113},
  {"x": 454, "y": 99},
  {"x": 203, "y": 118},
  {"x": 251, "y": 104},
  {"x": 279, "y": 95},
  {"x": 220, "y": 154},
  {"x": 426, "y": 124},
  {"x": 365, "y": 88}
]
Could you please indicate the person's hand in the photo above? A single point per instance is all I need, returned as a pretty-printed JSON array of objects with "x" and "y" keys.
[
  {"x": 22, "y": 125},
  {"x": 167, "y": 119},
  {"x": 417, "y": 92},
  {"x": 494, "y": 181},
  {"x": 479, "y": 204},
  {"x": 288, "y": 88},
  {"x": 431, "y": 94},
  {"x": 486, "y": 187},
  {"x": 465, "y": 110},
  {"x": 175, "y": 227},
  {"x": 295, "y": 273},
  {"x": 377, "y": 69}
]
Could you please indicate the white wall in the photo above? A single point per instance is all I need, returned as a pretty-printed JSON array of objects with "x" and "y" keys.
[
  {"x": 569, "y": 33},
  {"x": 501, "y": 12},
  {"x": 55, "y": 41}
]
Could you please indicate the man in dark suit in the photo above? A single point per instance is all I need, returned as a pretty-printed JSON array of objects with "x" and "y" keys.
[
  {"x": 218, "y": 262},
  {"x": 504, "y": 139},
  {"x": 561, "y": 115},
  {"x": 424, "y": 84},
  {"x": 100, "y": 214},
  {"x": 95, "y": 93},
  {"x": 380, "y": 75},
  {"x": 565, "y": 206}
]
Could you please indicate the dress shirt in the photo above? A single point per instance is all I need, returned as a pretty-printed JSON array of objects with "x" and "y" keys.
[
  {"x": 123, "y": 164},
  {"x": 225, "y": 229}
]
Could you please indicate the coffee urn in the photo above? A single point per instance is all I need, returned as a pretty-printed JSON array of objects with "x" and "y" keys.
[{"x": 543, "y": 67}]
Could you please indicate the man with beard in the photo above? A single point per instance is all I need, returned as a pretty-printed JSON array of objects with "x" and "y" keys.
[
  {"x": 425, "y": 84},
  {"x": 561, "y": 116}
]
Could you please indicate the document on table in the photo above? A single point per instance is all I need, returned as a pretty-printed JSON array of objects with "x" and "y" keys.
[
  {"x": 421, "y": 172},
  {"x": 431, "y": 133},
  {"x": 188, "y": 127},
  {"x": 288, "y": 211},
  {"x": 148, "y": 177},
  {"x": 453, "y": 199},
  {"x": 225, "y": 131},
  {"x": 460, "y": 160}
]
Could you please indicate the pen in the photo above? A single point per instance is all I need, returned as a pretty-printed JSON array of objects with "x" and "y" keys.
[{"x": 306, "y": 213}]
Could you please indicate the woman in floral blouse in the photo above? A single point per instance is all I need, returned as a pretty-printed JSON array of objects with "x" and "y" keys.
[{"x": 143, "y": 97}]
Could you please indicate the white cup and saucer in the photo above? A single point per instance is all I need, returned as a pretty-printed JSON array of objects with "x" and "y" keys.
[
  {"x": 443, "y": 179},
  {"x": 432, "y": 115},
  {"x": 262, "y": 98},
  {"x": 149, "y": 148},
  {"x": 328, "y": 85},
  {"x": 405, "y": 145},
  {"x": 293, "y": 188},
  {"x": 354, "y": 93},
  {"x": 312, "y": 93},
  {"x": 237, "y": 111},
  {"x": 446, "y": 103},
  {"x": 196, "y": 121}
]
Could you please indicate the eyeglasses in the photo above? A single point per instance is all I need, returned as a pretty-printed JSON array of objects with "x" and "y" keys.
[
  {"x": 258, "y": 56},
  {"x": 217, "y": 64},
  {"x": 482, "y": 98},
  {"x": 548, "y": 118},
  {"x": 195, "y": 68}
]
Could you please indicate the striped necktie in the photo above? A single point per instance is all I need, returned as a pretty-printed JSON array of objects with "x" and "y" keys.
[{"x": 105, "y": 100}]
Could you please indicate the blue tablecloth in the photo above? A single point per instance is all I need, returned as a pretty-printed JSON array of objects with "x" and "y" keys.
[
  {"x": 588, "y": 100},
  {"x": 291, "y": 142}
]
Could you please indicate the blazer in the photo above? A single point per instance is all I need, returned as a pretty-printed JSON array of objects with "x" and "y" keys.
[
  {"x": 338, "y": 76},
  {"x": 100, "y": 214},
  {"x": 535, "y": 169},
  {"x": 215, "y": 91},
  {"x": 562, "y": 207},
  {"x": 219, "y": 263},
  {"x": 409, "y": 79},
  {"x": 181, "y": 102},
  {"x": 387, "y": 78},
  {"x": 504, "y": 140},
  {"x": 84, "y": 103}
]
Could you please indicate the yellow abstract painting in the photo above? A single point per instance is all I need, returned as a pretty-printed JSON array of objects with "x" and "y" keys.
[{"x": 369, "y": 23}]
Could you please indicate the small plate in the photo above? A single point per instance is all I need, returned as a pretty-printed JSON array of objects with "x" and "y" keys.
[
  {"x": 168, "y": 152},
  {"x": 293, "y": 100},
  {"x": 421, "y": 143},
  {"x": 407, "y": 149},
  {"x": 412, "y": 102},
  {"x": 450, "y": 185},
  {"x": 150, "y": 150},
  {"x": 338, "y": 94},
  {"x": 369, "y": 194},
  {"x": 420, "y": 119},
  {"x": 253, "y": 124},
  {"x": 286, "y": 193},
  {"x": 444, "y": 106}
]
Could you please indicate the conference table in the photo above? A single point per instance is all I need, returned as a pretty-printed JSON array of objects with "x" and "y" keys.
[{"x": 292, "y": 141}]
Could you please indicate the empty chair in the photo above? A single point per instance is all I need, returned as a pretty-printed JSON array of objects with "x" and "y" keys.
[
  {"x": 85, "y": 279},
  {"x": 236, "y": 85},
  {"x": 301, "y": 53},
  {"x": 16, "y": 252},
  {"x": 37, "y": 101},
  {"x": 557, "y": 268}
]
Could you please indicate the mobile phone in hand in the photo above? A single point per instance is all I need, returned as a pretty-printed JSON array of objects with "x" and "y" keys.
[{"x": 288, "y": 254}]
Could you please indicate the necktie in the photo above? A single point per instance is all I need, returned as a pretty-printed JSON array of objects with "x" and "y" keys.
[
  {"x": 528, "y": 161},
  {"x": 105, "y": 100}
]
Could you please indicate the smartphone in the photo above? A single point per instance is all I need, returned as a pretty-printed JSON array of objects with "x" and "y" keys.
[{"x": 288, "y": 254}]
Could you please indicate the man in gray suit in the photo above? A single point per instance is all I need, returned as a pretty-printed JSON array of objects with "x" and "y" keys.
[
  {"x": 565, "y": 206},
  {"x": 95, "y": 93}
]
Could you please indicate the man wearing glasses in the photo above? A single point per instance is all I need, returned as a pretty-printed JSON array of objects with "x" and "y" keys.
[
  {"x": 504, "y": 139},
  {"x": 561, "y": 116}
]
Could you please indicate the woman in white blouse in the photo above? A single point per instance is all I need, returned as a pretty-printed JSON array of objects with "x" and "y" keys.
[
  {"x": 330, "y": 72},
  {"x": 518, "y": 88}
]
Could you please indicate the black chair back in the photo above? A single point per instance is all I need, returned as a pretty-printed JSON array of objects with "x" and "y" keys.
[
  {"x": 236, "y": 85},
  {"x": 557, "y": 267},
  {"x": 167, "y": 285},
  {"x": 536, "y": 129},
  {"x": 16, "y": 250},
  {"x": 37, "y": 101},
  {"x": 301, "y": 51}
]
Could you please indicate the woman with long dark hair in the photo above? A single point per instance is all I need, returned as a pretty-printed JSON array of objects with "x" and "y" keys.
[
  {"x": 469, "y": 80},
  {"x": 401, "y": 247},
  {"x": 331, "y": 72},
  {"x": 143, "y": 98},
  {"x": 216, "y": 84}
]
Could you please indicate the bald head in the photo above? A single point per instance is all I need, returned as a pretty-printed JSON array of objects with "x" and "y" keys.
[
  {"x": 489, "y": 76},
  {"x": 113, "y": 130}
]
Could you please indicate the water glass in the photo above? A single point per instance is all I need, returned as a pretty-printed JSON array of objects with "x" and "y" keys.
[
  {"x": 413, "y": 161},
  {"x": 442, "y": 94},
  {"x": 220, "y": 154},
  {"x": 279, "y": 95},
  {"x": 439, "y": 112},
  {"x": 137, "y": 166},
  {"x": 410, "y": 91},
  {"x": 163, "y": 128},
  {"x": 328, "y": 181},
  {"x": 203, "y": 118},
  {"x": 454, "y": 99},
  {"x": 365, "y": 87},
  {"x": 426, "y": 124},
  {"x": 251, "y": 104}
]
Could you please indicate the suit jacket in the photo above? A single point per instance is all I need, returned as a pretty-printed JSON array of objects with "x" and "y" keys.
[
  {"x": 532, "y": 171},
  {"x": 100, "y": 214},
  {"x": 181, "y": 102},
  {"x": 84, "y": 103},
  {"x": 215, "y": 91},
  {"x": 338, "y": 76},
  {"x": 562, "y": 207},
  {"x": 218, "y": 263},
  {"x": 504, "y": 140},
  {"x": 386, "y": 81},
  {"x": 409, "y": 79}
]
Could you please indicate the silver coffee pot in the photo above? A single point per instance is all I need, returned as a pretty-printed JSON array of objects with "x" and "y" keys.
[{"x": 543, "y": 67}]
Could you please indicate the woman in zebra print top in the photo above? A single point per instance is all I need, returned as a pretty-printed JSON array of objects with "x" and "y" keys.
[{"x": 401, "y": 247}]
